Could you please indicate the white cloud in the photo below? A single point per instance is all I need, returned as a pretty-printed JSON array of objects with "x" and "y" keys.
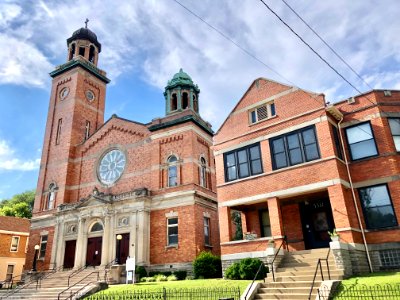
[{"x": 9, "y": 162}]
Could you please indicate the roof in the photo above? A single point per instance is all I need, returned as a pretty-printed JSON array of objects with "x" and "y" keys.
[
  {"x": 85, "y": 34},
  {"x": 14, "y": 224},
  {"x": 181, "y": 79}
]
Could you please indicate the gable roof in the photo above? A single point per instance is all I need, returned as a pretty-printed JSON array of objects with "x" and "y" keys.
[{"x": 14, "y": 224}]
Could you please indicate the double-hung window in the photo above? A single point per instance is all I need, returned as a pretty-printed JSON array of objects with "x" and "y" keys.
[
  {"x": 43, "y": 245},
  {"x": 172, "y": 231},
  {"x": 207, "y": 238},
  {"x": 243, "y": 162},
  {"x": 294, "y": 148},
  {"x": 361, "y": 141},
  {"x": 377, "y": 206},
  {"x": 14, "y": 244},
  {"x": 394, "y": 124}
]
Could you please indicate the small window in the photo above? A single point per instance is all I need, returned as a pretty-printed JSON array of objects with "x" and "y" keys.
[
  {"x": 174, "y": 102},
  {"x": 207, "y": 238},
  {"x": 43, "y": 245},
  {"x": 10, "y": 273},
  {"x": 91, "y": 53},
  {"x": 394, "y": 124},
  {"x": 72, "y": 51},
  {"x": 172, "y": 227},
  {"x": 203, "y": 172},
  {"x": 265, "y": 223},
  {"x": 361, "y": 141},
  {"x": 82, "y": 51},
  {"x": 185, "y": 100},
  {"x": 243, "y": 162},
  {"x": 87, "y": 130},
  {"x": 377, "y": 206},
  {"x": 172, "y": 171},
  {"x": 58, "y": 134},
  {"x": 51, "y": 196},
  {"x": 262, "y": 112},
  {"x": 96, "y": 227},
  {"x": 294, "y": 148},
  {"x": 14, "y": 244}
]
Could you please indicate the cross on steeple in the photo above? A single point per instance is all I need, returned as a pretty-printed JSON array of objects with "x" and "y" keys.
[{"x": 87, "y": 20}]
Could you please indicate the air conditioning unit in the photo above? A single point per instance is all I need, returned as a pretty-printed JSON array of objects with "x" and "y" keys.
[
  {"x": 387, "y": 93},
  {"x": 351, "y": 100}
]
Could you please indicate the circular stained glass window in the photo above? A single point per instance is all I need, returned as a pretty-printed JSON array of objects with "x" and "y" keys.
[{"x": 111, "y": 166}]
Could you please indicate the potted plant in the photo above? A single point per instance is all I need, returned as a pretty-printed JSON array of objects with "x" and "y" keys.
[{"x": 334, "y": 235}]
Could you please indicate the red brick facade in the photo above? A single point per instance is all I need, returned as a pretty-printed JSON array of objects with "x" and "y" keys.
[
  {"x": 313, "y": 195},
  {"x": 69, "y": 174}
]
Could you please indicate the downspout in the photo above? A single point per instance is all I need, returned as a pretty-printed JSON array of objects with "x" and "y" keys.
[{"x": 354, "y": 197}]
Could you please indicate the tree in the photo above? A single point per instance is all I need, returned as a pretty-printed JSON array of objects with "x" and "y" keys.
[{"x": 20, "y": 205}]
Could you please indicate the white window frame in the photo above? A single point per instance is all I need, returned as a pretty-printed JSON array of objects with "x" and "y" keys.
[
  {"x": 43, "y": 244},
  {"x": 172, "y": 165},
  {"x": 269, "y": 113},
  {"x": 171, "y": 226},
  {"x": 11, "y": 246},
  {"x": 12, "y": 274}
]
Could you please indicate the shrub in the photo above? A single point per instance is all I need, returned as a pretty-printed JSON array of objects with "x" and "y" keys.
[
  {"x": 172, "y": 278},
  {"x": 147, "y": 279},
  {"x": 160, "y": 277},
  {"x": 249, "y": 267},
  {"x": 141, "y": 271},
  {"x": 207, "y": 265},
  {"x": 189, "y": 277},
  {"x": 168, "y": 273},
  {"x": 233, "y": 271},
  {"x": 180, "y": 275}
]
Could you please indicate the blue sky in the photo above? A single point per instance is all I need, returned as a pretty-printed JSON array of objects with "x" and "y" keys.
[{"x": 145, "y": 42}]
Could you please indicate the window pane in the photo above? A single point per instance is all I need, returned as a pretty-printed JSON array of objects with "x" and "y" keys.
[
  {"x": 253, "y": 116},
  {"x": 44, "y": 238},
  {"x": 172, "y": 221},
  {"x": 230, "y": 160},
  {"x": 359, "y": 133},
  {"x": 173, "y": 239},
  {"x": 295, "y": 156},
  {"x": 244, "y": 170},
  {"x": 173, "y": 230},
  {"x": 293, "y": 141},
  {"x": 256, "y": 166},
  {"x": 232, "y": 173},
  {"x": 381, "y": 217},
  {"x": 375, "y": 196},
  {"x": 394, "y": 126},
  {"x": 311, "y": 152},
  {"x": 272, "y": 109},
  {"x": 363, "y": 149},
  {"x": 255, "y": 152},
  {"x": 278, "y": 145},
  {"x": 397, "y": 142},
  {"x": 242, "y": 156},
  {"x": 308, "y": 136},
  {"x": 280, "y": 160}
]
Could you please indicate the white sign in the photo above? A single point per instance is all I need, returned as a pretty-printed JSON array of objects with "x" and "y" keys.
[{"x": 130, "y": 264}]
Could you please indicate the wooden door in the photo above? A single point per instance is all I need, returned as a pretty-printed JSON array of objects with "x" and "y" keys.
[
  {"x": 93, "y": 254},
  {"x": 69, "y": 255}
]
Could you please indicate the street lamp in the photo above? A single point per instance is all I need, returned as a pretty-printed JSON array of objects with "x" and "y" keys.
[
  {"x": 118, "y": 258},
  {"x": 35, "y": 258}
]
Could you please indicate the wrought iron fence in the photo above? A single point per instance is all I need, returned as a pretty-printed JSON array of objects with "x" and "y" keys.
[
  {"x": 360, "y": 292},
  {"x": 172, "y": 294}
]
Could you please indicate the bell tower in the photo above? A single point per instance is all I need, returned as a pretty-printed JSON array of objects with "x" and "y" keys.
[
  {"x": 76, "y": 111},
  {"x": 181, "y": 93}
]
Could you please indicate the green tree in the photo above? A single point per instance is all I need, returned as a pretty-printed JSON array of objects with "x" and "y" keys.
[{"x": 20, "y": 205}]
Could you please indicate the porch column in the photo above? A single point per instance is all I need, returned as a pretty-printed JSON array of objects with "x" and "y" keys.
[
  {"x": 80, "y": 254},
  {"x": 105, "y": 248},
  {"x": 143, "y": 240},
  {"x": 225, "y": 223},
  {"x": 59, "y": 244},
  {"x": 275, "y": 217}
]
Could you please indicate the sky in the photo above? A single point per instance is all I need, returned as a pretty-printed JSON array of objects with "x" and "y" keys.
[{"x": 144, "y": 43}]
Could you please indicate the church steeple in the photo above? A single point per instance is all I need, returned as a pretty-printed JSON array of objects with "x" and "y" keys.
[
  {"x": 84, "y": 43},
  {"x": 181, "y": 93}
]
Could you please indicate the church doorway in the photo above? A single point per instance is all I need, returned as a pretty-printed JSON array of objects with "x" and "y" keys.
[
  {"x": 69, "y": 256},
  {"x": 93, "y": 254},
  {"x": 124, "y": 248}
]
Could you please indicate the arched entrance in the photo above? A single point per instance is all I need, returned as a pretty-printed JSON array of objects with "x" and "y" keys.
[{"x": 94, "y": 244}]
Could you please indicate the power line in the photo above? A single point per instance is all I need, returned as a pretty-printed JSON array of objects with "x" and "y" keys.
[{"x": 333, "y": 50}]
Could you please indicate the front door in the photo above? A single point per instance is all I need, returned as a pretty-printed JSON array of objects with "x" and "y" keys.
[
  {"x": 317, "y": 220},
  {"x": 124, "y": 248},
  {"x": 93, "y": 254},
  {"x": 69, "y": 255}
]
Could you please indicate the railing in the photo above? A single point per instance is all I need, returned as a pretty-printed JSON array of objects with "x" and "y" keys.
[
  {"x": 45, "y": 275},
  {"x": 69, "y": 288},
  {"x": 76, "y": 272},
  {"x": 360, "y": 292},
  {"x": 31, "y": 280},
  {"x": 255, "y": 278},
  {"x": 275, "y": 256},
  {"x": 106, "y": 269},
  {"x": 8, "y": 283},
  {"x": 319, "y": 264}
]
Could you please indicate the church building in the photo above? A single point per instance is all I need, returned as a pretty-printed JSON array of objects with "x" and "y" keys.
[{"x": 150, "y": 185}]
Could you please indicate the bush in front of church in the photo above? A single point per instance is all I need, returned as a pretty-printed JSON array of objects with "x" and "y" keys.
[
  {"x": 246, "y": 269},
  {"x": 141, "y": 272},
  {"x": 207, "y": 265}
]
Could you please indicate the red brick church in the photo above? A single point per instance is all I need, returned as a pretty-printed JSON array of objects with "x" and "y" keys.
[{"x": 153, "y": 184}]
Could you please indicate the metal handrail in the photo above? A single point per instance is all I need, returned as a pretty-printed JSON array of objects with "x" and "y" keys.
[
  {"x": 275, "y": 256},
  {"x": 72, "y": 294},
  {"x": 76, "y": 272},
  {"x": 47, "y": 274},
  {"x": 11, "y": 281},
  {"x": 17, "y": 289},
  {"x": 70, "y": 287},
  {"x": 319, "y": 264},
  {"x": 255, "y": 277}
]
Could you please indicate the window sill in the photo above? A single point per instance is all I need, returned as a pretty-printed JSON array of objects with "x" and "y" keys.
[
  {"x": 171, "y": 247},
  {"x": 263, "y": 120},
  {"x": 208, "y": 246},
  {"x": 383, "y": 229}
]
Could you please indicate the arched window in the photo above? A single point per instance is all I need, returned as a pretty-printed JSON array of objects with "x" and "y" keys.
[
  {"x": 185, "y": 100},
  {"x": 72, "y": 51},
  {"x": 174, "y": 102},
  {"x": 172, "y": 171},
  {"x": 51, "y": 196},
  {"x": 203, "y": 174},
  {"x": 91, "y": 54},
  {"x": 96, "y": 227}
]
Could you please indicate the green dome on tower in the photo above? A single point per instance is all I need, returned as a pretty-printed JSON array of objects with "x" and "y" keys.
[{"x": 181, "y": 79}]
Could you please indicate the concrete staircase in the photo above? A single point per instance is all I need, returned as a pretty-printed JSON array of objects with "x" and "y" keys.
[
  {"x": 294, "y": 276},
  {"x": 55, "y": 283}
]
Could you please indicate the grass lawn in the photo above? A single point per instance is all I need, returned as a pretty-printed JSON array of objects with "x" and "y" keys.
[
  {"x": 371, "y": 285},
  {"x": 181, "y": 284}
]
